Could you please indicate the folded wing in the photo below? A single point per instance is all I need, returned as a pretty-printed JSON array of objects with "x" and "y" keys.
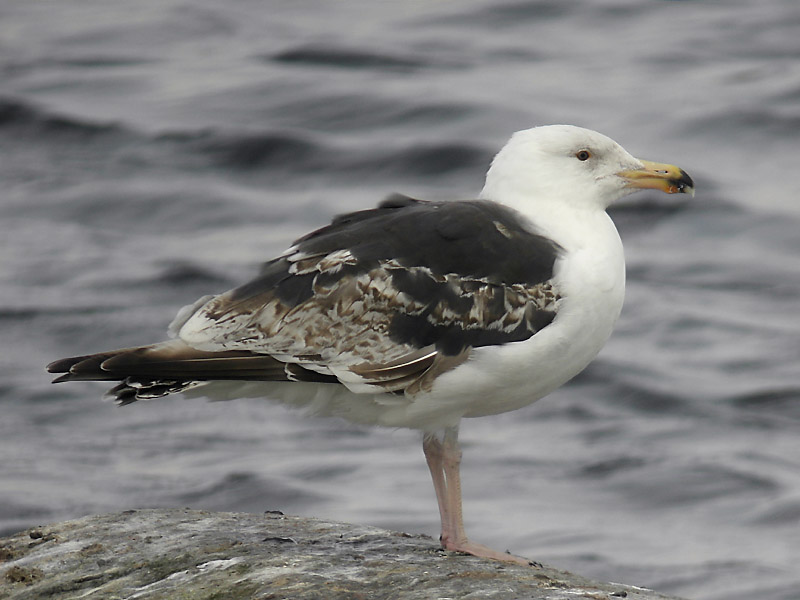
[{"x": 381, "y": 300}]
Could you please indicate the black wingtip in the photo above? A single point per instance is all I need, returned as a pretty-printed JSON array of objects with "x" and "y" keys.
[{"x": 61, "y": 366}]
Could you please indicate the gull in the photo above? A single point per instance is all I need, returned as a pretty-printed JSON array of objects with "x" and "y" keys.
[{"x": 418, "y": 314}]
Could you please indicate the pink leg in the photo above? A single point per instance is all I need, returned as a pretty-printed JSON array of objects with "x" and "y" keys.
[
  {"x": 444, "y": 462},
  {"x": 432, "y": 448}
]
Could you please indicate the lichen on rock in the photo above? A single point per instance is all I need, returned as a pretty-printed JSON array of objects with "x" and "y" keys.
[{"x": 199, "y": 555}]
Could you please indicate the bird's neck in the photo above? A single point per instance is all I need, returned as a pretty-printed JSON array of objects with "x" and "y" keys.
[{"x": 570, "y": 225}]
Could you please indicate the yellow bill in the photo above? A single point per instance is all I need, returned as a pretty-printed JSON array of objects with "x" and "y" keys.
[{"x": 659, "y": 176}]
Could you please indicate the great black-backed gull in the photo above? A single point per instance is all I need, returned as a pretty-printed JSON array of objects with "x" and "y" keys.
[{"x": 418, "y": 314}]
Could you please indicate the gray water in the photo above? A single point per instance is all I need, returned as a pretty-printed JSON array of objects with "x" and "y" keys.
[{"x": 156, "y": 151}]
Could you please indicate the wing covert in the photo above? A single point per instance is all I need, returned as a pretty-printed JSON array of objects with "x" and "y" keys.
[{"x": 383, "y": 296}]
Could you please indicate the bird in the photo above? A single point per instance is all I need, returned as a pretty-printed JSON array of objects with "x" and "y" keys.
[{"x": 417, "y": 314}]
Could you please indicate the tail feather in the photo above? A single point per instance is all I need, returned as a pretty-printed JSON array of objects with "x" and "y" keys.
[
  {"x": 157, "y": 370},
  {"x": 84, "y": 368}
]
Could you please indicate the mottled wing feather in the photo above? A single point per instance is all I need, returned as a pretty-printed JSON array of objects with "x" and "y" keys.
[{"x": 379, "y": 298}]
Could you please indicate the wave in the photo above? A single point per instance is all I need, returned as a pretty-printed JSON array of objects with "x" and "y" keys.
[
  {"x": 247, "y": 150},
  {"x": 22, "y": 116},
  {"x": 290, "y": 152},
  {"x": 763, "y": 121},
  {"x": 508, "y": 14},
  {"x": 301, "y": 154},
  {"x": 346, "y": 58}
]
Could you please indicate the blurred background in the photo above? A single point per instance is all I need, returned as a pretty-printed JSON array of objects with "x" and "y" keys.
[{"x": 157, "y": 151}]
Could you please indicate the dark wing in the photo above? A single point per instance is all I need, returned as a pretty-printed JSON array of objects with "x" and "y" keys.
[
  {"x": 380, "y": 300},
  {"x": 381, "y": 296}
]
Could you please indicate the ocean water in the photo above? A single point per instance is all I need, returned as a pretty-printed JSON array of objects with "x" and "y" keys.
[{"x": 151, "y": 153}]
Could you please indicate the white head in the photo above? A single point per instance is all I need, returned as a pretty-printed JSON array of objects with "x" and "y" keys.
[{"x": 574, "y": 166}]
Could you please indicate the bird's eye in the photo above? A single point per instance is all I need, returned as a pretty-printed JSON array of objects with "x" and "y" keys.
[{"x": 583, "y": 155}]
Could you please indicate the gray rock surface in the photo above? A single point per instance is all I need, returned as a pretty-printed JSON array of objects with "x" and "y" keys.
[{"x": 199, "y": 555}]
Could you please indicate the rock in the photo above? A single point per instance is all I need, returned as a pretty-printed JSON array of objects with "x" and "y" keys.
[{"x": 199, "y": 555}]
